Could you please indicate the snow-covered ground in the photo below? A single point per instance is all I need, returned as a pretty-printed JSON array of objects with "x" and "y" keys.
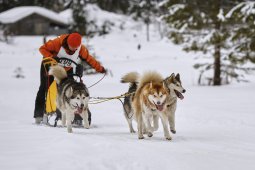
[{"x": 215, "y": 125}]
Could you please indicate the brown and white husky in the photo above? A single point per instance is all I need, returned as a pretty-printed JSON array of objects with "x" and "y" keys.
[{"x": 147, "y": 103}]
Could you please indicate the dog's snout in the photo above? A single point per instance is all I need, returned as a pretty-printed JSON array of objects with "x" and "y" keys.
[
  {"x": 184, "y": 91},
  {"x": 82, "y": 105},
  {"x": 158, "y": 102}
]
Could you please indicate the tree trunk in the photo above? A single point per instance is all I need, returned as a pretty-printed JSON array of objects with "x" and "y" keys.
[
  {"x": 217, "y": 66},
  {"x": 148, "y": 31},
  {"x": 217, "y": 49},
  {"x": 160, "y": 31}
]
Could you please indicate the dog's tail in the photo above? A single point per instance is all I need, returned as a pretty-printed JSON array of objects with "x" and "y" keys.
[
  {"x": 131, "y": 77},
  {"x": 150, "y": 76},
  {"x": 58, "y": 72}
]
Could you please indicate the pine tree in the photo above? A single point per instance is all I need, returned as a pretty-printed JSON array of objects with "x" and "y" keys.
[
  {"x": 202, "y": 27},
  {"x": 145, "y": 10},
  {"x": 243, "y": 36},
  {"x": 56, "y": 5},
  {"x": 8, "y": 4},
  {"x": 118, "y": 6},
  {"x": 80, "y": 22}
]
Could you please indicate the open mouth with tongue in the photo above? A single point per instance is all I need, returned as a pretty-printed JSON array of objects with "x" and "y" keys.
[
  {"x": 178, "y": 94},
  {"x": 160, "y": 107},
  {"x": 78, "y": 110}
]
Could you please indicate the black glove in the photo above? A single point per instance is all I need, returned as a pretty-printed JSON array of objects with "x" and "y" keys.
[
  {"x": 104, "y": 71},
  {"x": 56, "y": 58},
  {"x": 79, "y": 70}
]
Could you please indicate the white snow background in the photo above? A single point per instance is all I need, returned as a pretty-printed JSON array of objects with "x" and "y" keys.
[{"x": 215, "y": 125}]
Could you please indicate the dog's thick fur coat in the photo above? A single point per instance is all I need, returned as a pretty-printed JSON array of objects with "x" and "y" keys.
[
  {"x": 72, "y": 97},
  {"x": 147, "y": 103},
  {"x": 137, "y": 84}
]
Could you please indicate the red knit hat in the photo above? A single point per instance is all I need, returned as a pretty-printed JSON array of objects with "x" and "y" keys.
[{"x": 74, "y": 40}]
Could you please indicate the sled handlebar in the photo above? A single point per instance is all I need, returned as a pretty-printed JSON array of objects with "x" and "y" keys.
[{"x": 66, "y": 62}]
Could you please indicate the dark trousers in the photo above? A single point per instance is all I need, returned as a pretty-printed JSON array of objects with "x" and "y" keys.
[{"x": 40, "y": 101}]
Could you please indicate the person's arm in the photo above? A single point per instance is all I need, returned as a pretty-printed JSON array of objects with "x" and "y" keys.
[
  {"x": 91, "y": 60},
  {"x": 51, "y": 48}
]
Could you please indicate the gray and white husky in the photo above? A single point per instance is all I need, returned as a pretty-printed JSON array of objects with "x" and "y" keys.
[
  {"x": 173, "y": 84},
  {"x": 72, "y": 97}
]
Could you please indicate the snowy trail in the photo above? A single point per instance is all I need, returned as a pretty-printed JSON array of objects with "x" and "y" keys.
[{"x": 215, "y": 125}]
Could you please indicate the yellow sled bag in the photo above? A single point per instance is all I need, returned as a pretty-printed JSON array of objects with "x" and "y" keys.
[
  {"x": 51, "y": 95},
  {"x": 51, "y": 98}
]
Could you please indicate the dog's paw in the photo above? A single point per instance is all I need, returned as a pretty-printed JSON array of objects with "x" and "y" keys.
[
  {"x": 140, "y": 137},
  {"x": 173, "y": 131},
  {"x": 132, "y": 131},
  {"x": 150, "y": 134},
  {"x": 86, "y": 126},
  {"x": 168, "y": 138}
]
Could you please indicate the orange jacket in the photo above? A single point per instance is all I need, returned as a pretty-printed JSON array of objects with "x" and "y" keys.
[{"x": 52, "y": 47}]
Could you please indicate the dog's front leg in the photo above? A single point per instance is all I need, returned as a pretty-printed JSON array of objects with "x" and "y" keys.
[
  {"x": 140, "y": 126},
  {"x": 148, "y": 126},
  {"x": 144, "y": 128},
  {"x": 165, "y": 126},
  {"x": 155, "y": 122},
  {"x": 85, "y": 117},
  {"x": 70, "y": 118},
  {"x": 63, "y": 119},
  {"x": 171, "y": 119}
]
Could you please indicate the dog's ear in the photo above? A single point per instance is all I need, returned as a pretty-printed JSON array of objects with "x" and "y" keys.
[
  {"x": 164, "y": 86},
  {"x": 69, "y": 92},
  {"x": 171, "y": 78},
  {"x": 177, "y": 77}
]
